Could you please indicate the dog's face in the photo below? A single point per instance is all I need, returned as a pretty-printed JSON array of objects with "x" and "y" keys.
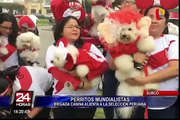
[
  {"x": 58, "y": 61},
  {"x": 59, "y": 58},
  {"x": 26, "y": 43},
  {"x": 127, "y": 33}
]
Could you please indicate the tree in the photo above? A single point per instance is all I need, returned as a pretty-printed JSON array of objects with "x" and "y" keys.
[{"x": 12, "y": 6}]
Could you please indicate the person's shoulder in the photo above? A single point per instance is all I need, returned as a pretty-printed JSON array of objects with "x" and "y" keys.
[{"x": 171, "y": 37}]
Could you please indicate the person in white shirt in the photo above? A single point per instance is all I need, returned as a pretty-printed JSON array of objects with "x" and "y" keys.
[
  {"x": 68, "y": 32},
  {"x": 164, "y": 61}
]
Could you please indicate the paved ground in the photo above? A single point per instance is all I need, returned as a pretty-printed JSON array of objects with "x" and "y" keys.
[{"x": 46, "y": 37}]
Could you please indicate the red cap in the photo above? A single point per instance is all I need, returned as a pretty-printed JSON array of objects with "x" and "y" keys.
[
  {"x": 64, "y": 8},
  {"x": 26, "y": 22}
]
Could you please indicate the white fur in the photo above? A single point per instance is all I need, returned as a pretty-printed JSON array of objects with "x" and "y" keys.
[
  {"x": 60, "y": 55},
  {"x": 28, "y": 40},
  {"x": 30, "y": 44},
  {"x": 28, "y": 55},
  {"x": 82, "y": 70},
  {"x": 108, "y": 30},
  {"x": 173, "y": 29},
  {"x": 99, "y": 13},
  {"x": 124, "y": 34},
  {"x": 144, "y": 25},
  {"x": 124, "y": 63},
  {"x": 146, "y": 45},
  {"x": 124, "y": 89},
  {"x": 3, "y": 50}
]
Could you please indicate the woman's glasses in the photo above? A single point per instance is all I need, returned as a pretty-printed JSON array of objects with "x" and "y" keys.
[
  {"x": 6, "y": 28},
  {"x": 72, "y": 27}
]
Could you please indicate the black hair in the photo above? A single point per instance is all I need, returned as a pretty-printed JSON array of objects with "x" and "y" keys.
[
  {"x": 8, "y": 17},
  {"x": 59, "y": 27},
  {"x": 166, "y": 15}
]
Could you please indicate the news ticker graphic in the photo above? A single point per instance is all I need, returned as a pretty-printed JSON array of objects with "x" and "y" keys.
[
  {"x": 22, "y": 102},
  {"x": 88, "y": 101},
  {"x": 5, "y": 101}
]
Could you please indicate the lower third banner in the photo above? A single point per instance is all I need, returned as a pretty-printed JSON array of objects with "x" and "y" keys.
[{"x": 89, "y": 101}]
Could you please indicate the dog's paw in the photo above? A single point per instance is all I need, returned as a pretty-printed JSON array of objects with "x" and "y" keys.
[{"x": 3, "y": 51}]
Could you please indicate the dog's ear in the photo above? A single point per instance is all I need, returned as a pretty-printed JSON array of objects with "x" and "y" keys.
[
  {"x": 143, "y": 26},
  {"x": 36, "y": 42},
  {"x": 107, "y": 30}
]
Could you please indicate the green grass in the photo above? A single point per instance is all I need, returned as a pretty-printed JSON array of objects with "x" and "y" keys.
[
  {"x": 99, "y": 114},
  {"x": 43, "y": 22}
]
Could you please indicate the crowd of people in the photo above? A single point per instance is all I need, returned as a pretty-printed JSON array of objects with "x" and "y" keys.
[{"x": 72, "y": 29}]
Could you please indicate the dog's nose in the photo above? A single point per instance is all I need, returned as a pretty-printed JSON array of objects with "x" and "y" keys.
[
  {"x": 52, "y": 61},
  {"x": 124, "y": 36}
]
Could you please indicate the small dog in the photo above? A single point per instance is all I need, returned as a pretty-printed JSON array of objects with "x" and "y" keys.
[
  {"x": 100, "y": 9},
  {"x": 28, "y": 44},
  {"x": 3, "y": 52},
  {"x": 124, "y": 33},
  {"x": 66, "y": 57},
  {"x": 173, "y": 29}
]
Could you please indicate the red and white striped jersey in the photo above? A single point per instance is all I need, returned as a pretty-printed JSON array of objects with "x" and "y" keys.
[
  {"x": 35, "y": 79},
  {"x": 167, "y": 49}
]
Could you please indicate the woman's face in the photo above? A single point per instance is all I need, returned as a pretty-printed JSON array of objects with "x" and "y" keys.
[
  {"x": 158, "y": 22},
  {"x": 6, "y": 28},
  {"x": 71, "y": 30},
  {"x": 129, "y": 3}
]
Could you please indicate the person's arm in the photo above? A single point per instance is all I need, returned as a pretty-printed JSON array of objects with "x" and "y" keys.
[
  {"x": 140, "y": 57},
  {"x": 35, "y": 111},
  {"x": 170, "y": 72}
]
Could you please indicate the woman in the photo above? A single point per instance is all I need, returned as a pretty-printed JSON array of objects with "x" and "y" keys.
[
  {"x": 8, "y": 34},
  {"x": 69, "y": 29},
  {"x": 164, "y": 61}
]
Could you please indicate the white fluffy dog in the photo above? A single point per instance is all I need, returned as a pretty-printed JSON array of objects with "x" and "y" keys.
[
  {"x": 173, "y": 29},
  {"x": 125, "y": 33},
  {"x": 3, "y": 52},
  {"x": 68, "y": 56},
  {"x": 99, "y": 11},
  {"x": 28, "y": 45}
]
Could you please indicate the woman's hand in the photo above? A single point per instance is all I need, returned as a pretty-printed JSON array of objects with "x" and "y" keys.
[
  {"x": 85, "y": 84},
  {"x": 141, "y": 58}
]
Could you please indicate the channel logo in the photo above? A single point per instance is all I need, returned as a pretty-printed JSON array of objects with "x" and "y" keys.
[{"x": 23, "y": 98}]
